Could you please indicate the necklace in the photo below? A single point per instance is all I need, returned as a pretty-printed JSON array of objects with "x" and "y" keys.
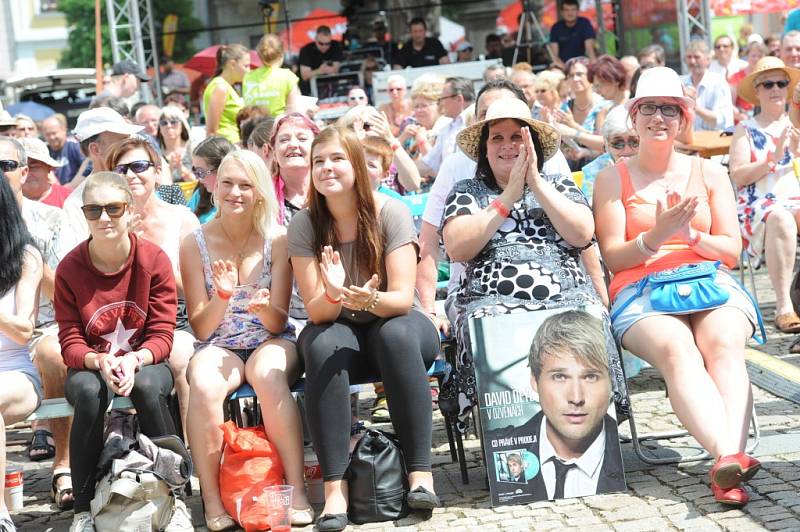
[
  {"x": 239, "y": 255},
  {"x": 583, "y": 108}
]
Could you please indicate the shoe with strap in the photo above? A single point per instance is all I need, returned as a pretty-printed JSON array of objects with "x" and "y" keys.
[
  {"x": 6, "y": 524},
  {"x": 181, "y": 520},
  {"x": 82, "y": 522}
]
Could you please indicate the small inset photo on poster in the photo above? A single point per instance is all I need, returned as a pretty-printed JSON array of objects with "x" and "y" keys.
[{"x": 518, "y": 466}]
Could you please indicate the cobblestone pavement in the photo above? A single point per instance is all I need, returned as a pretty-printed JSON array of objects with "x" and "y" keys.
[{"x": 658, "y": 497}]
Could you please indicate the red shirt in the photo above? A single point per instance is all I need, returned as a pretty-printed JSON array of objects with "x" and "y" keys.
[
  {"x": 58, "y": 194},
  {"x": 115, "y": 313}
]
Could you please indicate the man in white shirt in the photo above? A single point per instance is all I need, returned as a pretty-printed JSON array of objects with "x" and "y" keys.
[
  {"x": 712, "y": 94},
  {"x": 574, "y": 438},
  {"x": 456, "y": 167},
  {"x": 455, "y": 103}
]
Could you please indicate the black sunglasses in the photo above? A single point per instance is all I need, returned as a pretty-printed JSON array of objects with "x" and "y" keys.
[
  {"x": 114, "y": 210},
  {"x": 137, "y": 166},
  {"x": 620, "y": 144},
  {"x": 169, "y": 122},
  {"x": 782, "y": 84},
  {"x": 201, "y": 173},
  {"x": 669, "y": 110},
  {"x": 7, "y": 165}
]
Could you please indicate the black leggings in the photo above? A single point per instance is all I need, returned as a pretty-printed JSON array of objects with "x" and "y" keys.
[
  {"x": 396, "y": 350},
  {"x": 87, "y": 392}
]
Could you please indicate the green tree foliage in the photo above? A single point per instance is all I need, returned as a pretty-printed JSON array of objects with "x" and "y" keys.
[{"x": 80, "y": 19}]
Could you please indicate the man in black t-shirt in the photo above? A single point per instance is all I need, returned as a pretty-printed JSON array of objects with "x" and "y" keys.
[
  {"x": 323, "y": 56},
  {"x": 572, "y": 36},
  {"x": 420, "y": 50}
]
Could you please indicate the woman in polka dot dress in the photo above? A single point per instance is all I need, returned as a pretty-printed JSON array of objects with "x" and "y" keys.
[{"x": 519, "y": 233}]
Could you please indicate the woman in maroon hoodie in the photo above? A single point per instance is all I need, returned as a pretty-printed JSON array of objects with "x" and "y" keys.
[{"x": 115, "y": 303}]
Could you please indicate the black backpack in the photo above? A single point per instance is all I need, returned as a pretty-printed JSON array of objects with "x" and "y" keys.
[{"x": 377, "y": 479}]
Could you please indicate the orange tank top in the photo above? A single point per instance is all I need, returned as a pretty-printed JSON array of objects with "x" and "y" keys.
[{"x": 640, "y": 216}]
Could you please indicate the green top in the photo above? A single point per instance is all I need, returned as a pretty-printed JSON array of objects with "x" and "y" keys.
[
  {"x": 233, "y": 104},
  {"x": 269, "y": 87}
]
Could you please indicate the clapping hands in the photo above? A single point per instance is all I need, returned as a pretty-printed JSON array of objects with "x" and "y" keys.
[
  {"x": 676, "y": 217},
  {"x": 332, "y": 270},
  {"x": 225, "y": 276},
  {"x": 360, "y": 297}
]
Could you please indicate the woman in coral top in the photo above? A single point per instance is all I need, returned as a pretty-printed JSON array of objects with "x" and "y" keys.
[
  {"x": 660, "y": 210},
  {"x": 115, "y": 303}
]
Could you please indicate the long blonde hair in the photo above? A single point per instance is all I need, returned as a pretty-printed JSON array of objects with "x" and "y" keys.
[{"x": 265, "y": 211}]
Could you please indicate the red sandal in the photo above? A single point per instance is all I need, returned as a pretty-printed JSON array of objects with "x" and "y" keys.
[{"x": 735, "y": 496}]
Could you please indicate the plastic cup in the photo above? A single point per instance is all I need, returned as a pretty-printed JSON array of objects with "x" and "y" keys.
[
  {"x": 13, "y": 488},
  {"x": 279, "y": 505}
]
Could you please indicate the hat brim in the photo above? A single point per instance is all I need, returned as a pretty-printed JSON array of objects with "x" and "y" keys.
[
  {"x": 122, "y": 129},
  {"x": 747, "y": 89},
  {"x": 469, "y": 138},
  {"x": 688, "y": 102},
  {"x": 46, "y": 159},
  {"x": 143, "y": 77}
]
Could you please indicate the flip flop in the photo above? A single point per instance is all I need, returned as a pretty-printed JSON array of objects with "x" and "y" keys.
[{"x": 41, "y": 442}]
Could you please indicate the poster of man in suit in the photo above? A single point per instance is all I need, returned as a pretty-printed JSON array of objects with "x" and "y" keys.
[{"x": 546, "y": 407}]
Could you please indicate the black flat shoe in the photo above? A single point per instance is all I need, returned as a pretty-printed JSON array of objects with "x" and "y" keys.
[
  {"x": 422, "y": 499},
  {"x": 332, "y": 522}
]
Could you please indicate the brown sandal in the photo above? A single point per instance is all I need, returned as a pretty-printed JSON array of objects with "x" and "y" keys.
[{"x": 788, "y": 323}]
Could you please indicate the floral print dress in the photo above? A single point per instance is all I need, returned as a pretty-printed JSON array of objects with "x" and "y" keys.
[
  {"x": 779, "y": 188},
  {"x": 239, "y": 329},
  {"x": 526, "y": 266}
]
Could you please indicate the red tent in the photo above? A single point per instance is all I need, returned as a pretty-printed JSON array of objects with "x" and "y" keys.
[
  {"x": 305, "y": 30},
  {"x": 205, "y": 61}
]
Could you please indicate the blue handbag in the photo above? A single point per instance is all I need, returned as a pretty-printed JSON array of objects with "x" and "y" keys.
[{"x": 688, "y": 288}]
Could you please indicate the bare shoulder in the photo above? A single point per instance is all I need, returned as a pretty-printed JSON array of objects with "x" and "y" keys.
[
  {"x": 607, "y": 183},
  {"x": 714, "y": 174}
]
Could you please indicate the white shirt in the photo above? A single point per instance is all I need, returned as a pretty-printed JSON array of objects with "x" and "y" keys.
[
  {"x": 714, "y": 94},
  {"x": 445, "y": 142},
  {"x": 581, "y": 480},
  {"x": 47, "y": 225},
  {"x": 734, "y": 66},
  {"x": 457, "y": 167},
  {"x": 74, "y": 215}
]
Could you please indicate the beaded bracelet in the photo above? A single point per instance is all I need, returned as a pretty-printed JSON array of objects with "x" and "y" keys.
[{"x": 374, "y": 303}]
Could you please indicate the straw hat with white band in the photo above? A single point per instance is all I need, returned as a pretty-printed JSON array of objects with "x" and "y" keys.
[
  {"x": 747, "y": 87},
  {"x": 515, "y": 109}
]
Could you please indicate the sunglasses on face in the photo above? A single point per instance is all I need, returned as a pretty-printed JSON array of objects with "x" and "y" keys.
[
  {"x": 114, "y": 210},
  {"x": 720, "y": 46},
  {"x": 201, "y": 173},
  {"x": 782, "y": 84},
  {"x": 168, "y": 122},
  {"x": 8, "y": 165},
  {"x": 137, "y": 166},
  {"x": 397, "y": 89},
  {"x": 620, "y": 144},
  {"x": 357, "y": 98},
  {"x": 668, "y": 110},
  {"x": 323, "y": 43}
]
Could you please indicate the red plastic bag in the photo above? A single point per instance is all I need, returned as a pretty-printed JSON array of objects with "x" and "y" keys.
[{"x": 250, "y": 463}]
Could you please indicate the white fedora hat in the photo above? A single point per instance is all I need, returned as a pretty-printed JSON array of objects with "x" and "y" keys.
[{"x": 659, "y": 82}]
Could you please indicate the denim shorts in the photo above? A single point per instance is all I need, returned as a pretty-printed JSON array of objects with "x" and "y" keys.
[{"x": 640, "y": 307}]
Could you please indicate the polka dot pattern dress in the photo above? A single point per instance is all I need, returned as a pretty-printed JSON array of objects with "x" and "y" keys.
[{"x": 526, "y": 266}]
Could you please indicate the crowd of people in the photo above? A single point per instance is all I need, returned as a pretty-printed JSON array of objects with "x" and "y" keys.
[{"x": 139, "y": 258}]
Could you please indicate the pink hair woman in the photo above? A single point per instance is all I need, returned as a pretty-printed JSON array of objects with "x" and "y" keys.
[{"x": 659, "y": 210}]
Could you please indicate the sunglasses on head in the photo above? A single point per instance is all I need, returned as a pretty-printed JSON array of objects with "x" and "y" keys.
[
  {"x": 164, "y": 122},
  {"x": 137, "y": 166},
  {"x": 782, "y": 84},
  {"x": 669, "y": 110},
  {"x": 633, "y": 143},
  {"x": 201, "y": 173},
  {"x": 7, "y": 165},
  {"x": 114, "y": 210}
]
